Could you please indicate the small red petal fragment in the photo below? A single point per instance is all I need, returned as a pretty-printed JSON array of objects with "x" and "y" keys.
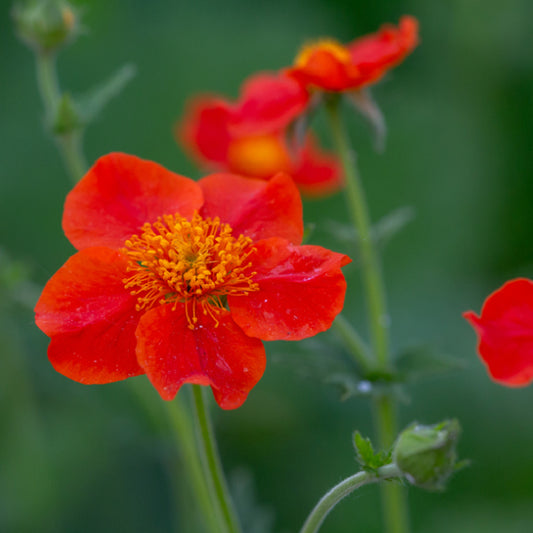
[
  {"x": 505, "y": 332},
  {"x": 256, "y": 208},
  {"x": 221, "y": 356},
  {"x": 301, "y": 291},
  {"x": 119, "y": 194}
]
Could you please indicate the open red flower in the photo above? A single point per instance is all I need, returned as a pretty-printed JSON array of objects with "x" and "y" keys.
[
  {"x": 180, "y": 280},
  {"x": 332, "y": 66},
  {"x": 249, "y": 136},
  {"x": 505, "y": 330}
]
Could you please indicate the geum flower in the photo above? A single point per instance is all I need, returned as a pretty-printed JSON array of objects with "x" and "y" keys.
[
  {"x": 249, "y": 137},
  {"x": 331, "y": 66},
  {"x": 179, "y": 280},
  {"x": 505, "y": 331}
]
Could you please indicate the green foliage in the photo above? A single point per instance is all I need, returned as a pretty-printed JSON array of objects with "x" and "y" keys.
[
  {"x": 366, "y": 456},
  {"x": 92, "y": 103},
  {"x": 420, "y": 362}
]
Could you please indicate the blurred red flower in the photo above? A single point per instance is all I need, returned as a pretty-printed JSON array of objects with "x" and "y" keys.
[
  {"x": 332, "y": 66},
  {"x": 249, "y": 136},
  {"x": 179, "y": 280},
  {"x": 505, "y": 331}
]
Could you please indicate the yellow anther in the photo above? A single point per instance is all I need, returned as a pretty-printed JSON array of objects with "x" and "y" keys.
[{"x": 193, "y": 262}]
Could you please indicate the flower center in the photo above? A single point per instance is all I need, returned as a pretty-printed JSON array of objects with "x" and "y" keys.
[
  {"x": 330, "y": 46},
  {"x": 258, "y": 156},
  {"x": 197, "y": 262}
]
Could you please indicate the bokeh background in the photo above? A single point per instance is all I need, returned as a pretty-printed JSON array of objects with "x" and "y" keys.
[{"x": 460, "y": 153}]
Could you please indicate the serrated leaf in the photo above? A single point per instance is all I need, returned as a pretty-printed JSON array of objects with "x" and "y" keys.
[
  {"x": 91, "y": 104},
  {"x": 366, "y": 456},
  {"x": 419, "y": 362}
]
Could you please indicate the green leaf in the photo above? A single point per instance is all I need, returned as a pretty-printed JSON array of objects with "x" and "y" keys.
[
  {"x": 366, "y": 456},
  {"x": 382, "y": 231},
  {"x": 419, "y": 362},
  {"x": 91, "y": 104},
  {"x": 391, "y": 224}
]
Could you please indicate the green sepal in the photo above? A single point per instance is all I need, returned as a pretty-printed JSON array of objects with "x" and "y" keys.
[{"x": 366, "y": 456}]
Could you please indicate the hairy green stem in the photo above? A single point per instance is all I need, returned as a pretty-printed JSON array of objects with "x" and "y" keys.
[
  {"x": 212, "y": 466},
  {"x": 69, "y": 144},
  {"x": 393, "y": 496},
  {"x": 343, "y": 489}
]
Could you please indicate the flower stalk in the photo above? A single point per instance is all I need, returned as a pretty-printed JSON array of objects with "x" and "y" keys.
[
  {"x": 69, "y": 142},
  {"x": 393, "y": 497},
  {"x": 343, "y": 489},
  {"x": 212, "y": 466}
]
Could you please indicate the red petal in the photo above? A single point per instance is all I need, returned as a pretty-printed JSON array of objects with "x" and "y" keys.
[
  {"x": 90, "y": 318},
  {"x": 119, "y": 194},
  {"x": 377, "y": 52},
  {"x": 301, "y": 291},
  {"x": 505, "y": 331},
  {"x": 326, "y": 71},
  {"x": 221, "y": 356},
  {"x": 204, "y": 129},
  {"x": 269, "y": 102},
  {"x": 318, "y": 173},
  {"x": 256, "y": 208}
]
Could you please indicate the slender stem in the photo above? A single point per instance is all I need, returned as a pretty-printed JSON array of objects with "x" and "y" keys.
[
  {"x": 343, "y": 489},
  {"x": 69, "y": 144},
  {"x": 184, "y": 437},
  {"x": 371, "y": 271},
  {"x": 393, "y": 496},
  {"x": 212, "y": 465},
  {"x": 354, "y": 343}
]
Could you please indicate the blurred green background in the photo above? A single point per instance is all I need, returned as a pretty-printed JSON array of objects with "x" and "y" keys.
[{"x": 460, "y": 152}]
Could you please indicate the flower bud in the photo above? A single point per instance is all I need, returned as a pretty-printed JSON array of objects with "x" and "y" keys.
[
  {"x": 426, "y": 455},
  {"x": 45, "y": 25},
  {"x": 67, "y": 118}
]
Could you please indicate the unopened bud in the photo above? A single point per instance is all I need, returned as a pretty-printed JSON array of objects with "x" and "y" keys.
[
  {"x": 67, "y": 118},
  {"x": 426, "y": 455},
  {"x": 45, "y": 25}
]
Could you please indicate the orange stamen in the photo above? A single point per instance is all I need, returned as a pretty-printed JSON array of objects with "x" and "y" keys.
[
  {"x": 323, "y": 45},
  {"x": 195, "y": 262}
]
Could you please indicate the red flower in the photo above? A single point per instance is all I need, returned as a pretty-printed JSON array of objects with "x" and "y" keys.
[
  {"x": 248, "y": 137},
  {"x": 331, "y": 66},
  {"x": 180, "y": 280},
  {"x": 505, "y": 330}
]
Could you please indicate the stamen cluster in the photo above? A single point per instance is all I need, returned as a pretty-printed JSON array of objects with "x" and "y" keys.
[{"x": 191, "y": 261}]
